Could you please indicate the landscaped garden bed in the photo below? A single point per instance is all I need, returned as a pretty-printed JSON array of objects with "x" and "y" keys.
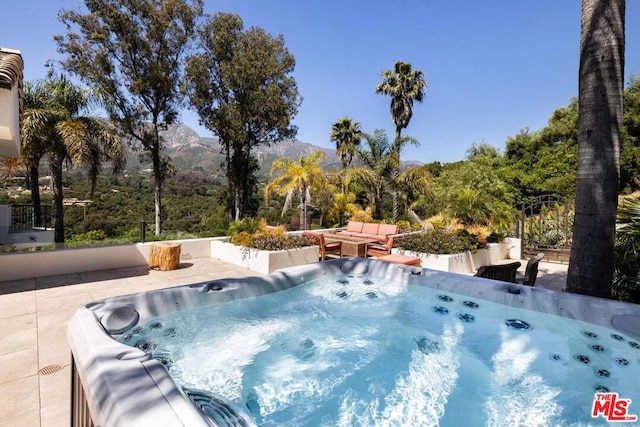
[
  {"x": 263, "y": 261},
  {"x": 456, "y": 251},
  {"x": 256, "y": 247}
]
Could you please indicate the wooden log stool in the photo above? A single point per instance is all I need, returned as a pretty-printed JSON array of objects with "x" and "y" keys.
[{"x": 164, "y": 256}]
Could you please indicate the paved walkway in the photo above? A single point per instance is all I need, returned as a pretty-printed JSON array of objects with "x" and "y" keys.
[{"x": 34, "y": 354}]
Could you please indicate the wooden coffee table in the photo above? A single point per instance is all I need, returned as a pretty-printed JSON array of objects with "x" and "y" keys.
[{"x": 351, "y": 246}]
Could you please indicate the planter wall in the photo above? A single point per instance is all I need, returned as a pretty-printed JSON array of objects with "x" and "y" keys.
[
  {"x": 28, "y": 265},
  {"x": 263, "y": 261},
  {"x": 466, "y": 262},
  {"x": 455, "y": 263}
]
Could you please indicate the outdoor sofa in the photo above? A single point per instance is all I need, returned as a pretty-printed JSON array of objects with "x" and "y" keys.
[{"x": 368, "y": 230}]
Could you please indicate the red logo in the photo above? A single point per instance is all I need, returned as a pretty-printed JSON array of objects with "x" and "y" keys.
[{"x": 611, "y": 408}]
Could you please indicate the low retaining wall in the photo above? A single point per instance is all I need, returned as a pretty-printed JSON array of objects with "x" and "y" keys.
[
  {"x": 466, "y": 262},
  {"x": 263, "y": 261},
  {"x": 30, "y": 265}
]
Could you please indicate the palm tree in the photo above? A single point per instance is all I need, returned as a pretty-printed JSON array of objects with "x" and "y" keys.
[
  {"x": 34, "y": 145},
  {"x": 300, "y": 176},
  {"x": 396, "y": 148},
  {"x": 417, "y": 183},
  {"x": 343, "y": 202},
  {"x": 601, "y": 84},
  {"x": 347, "y": 135},
  {"x": 404, "y": 86},
  {"x": 58, "y": 128},
  {"x": 376, "y": 171}
]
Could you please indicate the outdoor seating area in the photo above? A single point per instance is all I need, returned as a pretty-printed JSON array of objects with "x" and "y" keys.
[
  {"x": 353, "y": 244},
  {"x": 368, "y": 230},
  {"x": 325, "y": 248},
  {"x": 531, "y": 272},
  {"x": 502, "y": 272},
  {"x": 380, "y": 250},
  {"x": 508, "y": 272}
]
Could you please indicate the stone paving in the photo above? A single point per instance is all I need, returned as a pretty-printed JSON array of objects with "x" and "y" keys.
[{"x": 34, "y": 354}]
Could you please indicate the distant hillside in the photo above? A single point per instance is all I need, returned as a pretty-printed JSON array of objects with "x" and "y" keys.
[{"x": 189, "y": 151}]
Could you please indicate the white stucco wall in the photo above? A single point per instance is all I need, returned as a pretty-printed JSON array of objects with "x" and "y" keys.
[{"x": 17, "y": 266}]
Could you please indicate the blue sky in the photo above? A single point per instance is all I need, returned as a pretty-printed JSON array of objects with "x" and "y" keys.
[{"x": 492, "y": 67}]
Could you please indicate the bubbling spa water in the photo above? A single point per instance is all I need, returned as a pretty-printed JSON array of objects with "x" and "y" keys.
[{"x": 362, "y": 350}]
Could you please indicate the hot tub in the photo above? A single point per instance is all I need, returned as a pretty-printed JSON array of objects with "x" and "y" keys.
[{"x": 453, "y": 349}]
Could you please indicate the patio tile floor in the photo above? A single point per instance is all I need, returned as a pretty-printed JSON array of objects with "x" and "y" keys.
[{"x": 33, "y": 325}]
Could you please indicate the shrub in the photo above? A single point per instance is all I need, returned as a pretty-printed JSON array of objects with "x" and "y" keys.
[
  {"x": 92, "y": 235},
  {"x": 270, "y": 239},
  {"x": 241, "y": 239},
  {"x": 404, "y": 226},
  {"x": 437, "y": 221},
  {"x": 442, "y": 222},
  {"x": 626, "y": 276},
  {"x": 275, "y": 242},
  {"x": 249, "y": 225},
  {"x": 496, "y": 237},
  {"x": 362, "y": 215},
  {"x": 482, "y": 233},
  {"x": 439, "y": 241}
]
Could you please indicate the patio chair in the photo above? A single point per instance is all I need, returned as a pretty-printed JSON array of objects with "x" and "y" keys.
[
  {"x": 379, "y": 249},
  {"x": 325, "y": 248},
  {"x": 503, "y": 272},
  {"x": 531, "y": 272}
]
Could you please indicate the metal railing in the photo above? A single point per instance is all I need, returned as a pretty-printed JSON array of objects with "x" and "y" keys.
[{"x": 27, "y": 218}]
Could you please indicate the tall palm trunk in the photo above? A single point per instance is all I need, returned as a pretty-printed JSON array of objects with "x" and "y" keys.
[
  {"x": 303, "y": 208},
  {"x": 377, "y": 204},
  {"x": 396, "y": 174},
  {"x": 56, "y": 163},
  {"x": 601, "y": 79},
  {"x": 343, "y": 187},
  {"x": 34, "y": 184}
]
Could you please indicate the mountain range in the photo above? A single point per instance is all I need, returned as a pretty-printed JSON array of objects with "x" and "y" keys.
[{"x": 191, "y": 152}]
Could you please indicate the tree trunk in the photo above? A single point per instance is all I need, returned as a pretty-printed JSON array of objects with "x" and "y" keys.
[
  {"x": 157, "y": 181},
  {"x": 342, "y": 179},
  {"x": 34, "y": 184},
  {"x": 303, "y": 209},
  {"x": 56, "y": 175},
  {"x": 231, "y": 205},
  {"x": 601, "y": 84},
  {"x": 396, "y": 174},
  {"x": 157, "y": 191},
  {"x": 236, "y": 204},
  {"x": 377, "y": 204},
  {"x": 158, "y": 204}
]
